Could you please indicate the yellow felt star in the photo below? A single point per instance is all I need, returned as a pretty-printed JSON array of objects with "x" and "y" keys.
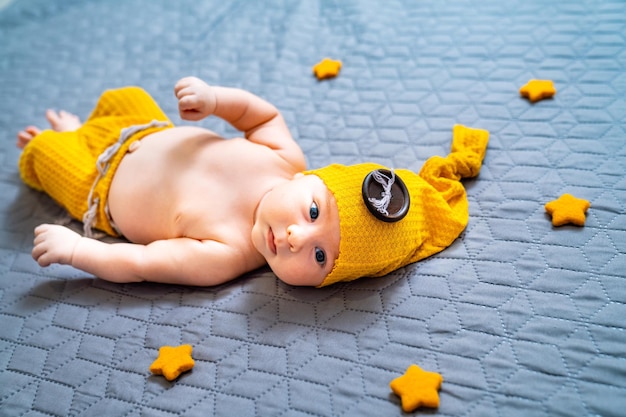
[
  {"x": 536, "y": 90},
  {"x": 416, "y": 388},
  {"x": 326, "y": 68},
  {"x": 172, "y": 361},
  {"x": 567, "y": 209}
]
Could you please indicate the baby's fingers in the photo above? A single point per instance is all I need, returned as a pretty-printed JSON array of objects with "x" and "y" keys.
[
  {"x": 42, "y": 258},
  {"x": 54, "y": 244},
  {"x": 182, "y": 84},
  {"x": 189, "y": 102},
  {"x": 190, "y": 108},
  {"x": 39, "y": 253}
]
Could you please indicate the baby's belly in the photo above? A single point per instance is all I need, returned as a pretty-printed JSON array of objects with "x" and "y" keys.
[
  {"x": 143, "y": 198},
  {"x": 137, "y": 207}
]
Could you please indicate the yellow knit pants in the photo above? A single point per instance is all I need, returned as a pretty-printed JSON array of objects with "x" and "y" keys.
[{"x": 65, "y": 164}]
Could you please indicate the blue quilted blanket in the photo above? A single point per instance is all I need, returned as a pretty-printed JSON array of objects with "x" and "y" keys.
[{"x": 518, "y": 316}]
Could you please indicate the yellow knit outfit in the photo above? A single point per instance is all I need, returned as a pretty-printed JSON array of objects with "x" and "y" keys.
[
  {"x": 438, "y": 210},
  {"x": 64, "y": 164}
]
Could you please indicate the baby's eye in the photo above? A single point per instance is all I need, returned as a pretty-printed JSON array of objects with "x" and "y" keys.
[
  {"x": 320, "y": 256},
  {"x": 314, "y": 211}
]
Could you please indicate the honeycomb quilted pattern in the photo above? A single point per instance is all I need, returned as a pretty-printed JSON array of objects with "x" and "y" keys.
[{"x": 519, "y": 317}]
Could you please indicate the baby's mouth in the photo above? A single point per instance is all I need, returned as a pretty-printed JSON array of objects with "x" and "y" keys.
[{"x": 270, "y": 241}]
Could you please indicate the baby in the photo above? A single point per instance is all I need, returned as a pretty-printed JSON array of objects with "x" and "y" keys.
[{"x": 202, "y": 210}]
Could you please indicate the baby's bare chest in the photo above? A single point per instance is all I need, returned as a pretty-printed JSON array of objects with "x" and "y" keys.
[{"x": 203, "y": 189}]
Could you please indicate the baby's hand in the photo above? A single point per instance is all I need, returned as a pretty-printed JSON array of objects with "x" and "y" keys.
[
  {"x": 54, "y": 244},
  {"x": 196, "y": 99}
]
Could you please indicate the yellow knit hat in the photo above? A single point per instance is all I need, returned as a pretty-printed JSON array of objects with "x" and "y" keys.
[{"x": 436, "y": 202}]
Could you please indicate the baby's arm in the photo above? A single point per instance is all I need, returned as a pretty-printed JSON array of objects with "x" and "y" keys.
[
  {"x": 174, "y": 261},
  {"x": 260, "y": 121}
]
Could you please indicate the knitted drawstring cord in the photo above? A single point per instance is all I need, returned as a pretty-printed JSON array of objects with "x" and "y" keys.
[{"x": 383, "y": 203}]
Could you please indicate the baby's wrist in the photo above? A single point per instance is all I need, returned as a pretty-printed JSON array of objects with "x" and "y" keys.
[
  {"x": 210, "y": 99},
  {"x": 82, "y": 246}
]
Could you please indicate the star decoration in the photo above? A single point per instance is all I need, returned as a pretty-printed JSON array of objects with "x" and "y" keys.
[
  {"x": 326, "y": 68},
  {"x": 536, "y": 90},
  {"x": 567, "y": 209},
  {"x": 417, "y": 388},
  {"x": 172, "y": 361}
]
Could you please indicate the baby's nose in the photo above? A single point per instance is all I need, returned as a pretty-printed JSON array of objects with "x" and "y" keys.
[{"x": 296, "y": 236}]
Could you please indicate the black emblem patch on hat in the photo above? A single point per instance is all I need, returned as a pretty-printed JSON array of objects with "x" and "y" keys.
[{"x": 385, "y": 195}]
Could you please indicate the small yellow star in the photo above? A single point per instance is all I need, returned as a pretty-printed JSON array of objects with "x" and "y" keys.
[
  {"x": 417, "y": 388},
  {"x": 536, "y": 90},
  {"x": 326, "y": 68},
  {"x": 567, "y": 209},
  {"x": 172, "y": 361}
]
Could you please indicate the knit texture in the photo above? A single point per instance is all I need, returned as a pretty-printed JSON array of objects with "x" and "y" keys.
[
  {"x": 63, "y": 164},
  {"x": 437, "y": 215}
]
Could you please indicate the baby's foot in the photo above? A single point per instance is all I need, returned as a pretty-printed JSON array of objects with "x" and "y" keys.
[
  {"x": 26, "y": 136},
  {"x": 60, "y": 122},
  {"x": 63, "y": 121}
]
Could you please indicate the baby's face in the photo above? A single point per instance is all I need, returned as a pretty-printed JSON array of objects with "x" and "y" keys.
[{"x": 296, "y": 229}]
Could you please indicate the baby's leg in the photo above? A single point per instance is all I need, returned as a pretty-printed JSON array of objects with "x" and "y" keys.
[{"x": 59, "y": 122}]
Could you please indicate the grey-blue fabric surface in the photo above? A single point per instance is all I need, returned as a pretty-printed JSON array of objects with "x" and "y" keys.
[{"x": 519, "y": 317}]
